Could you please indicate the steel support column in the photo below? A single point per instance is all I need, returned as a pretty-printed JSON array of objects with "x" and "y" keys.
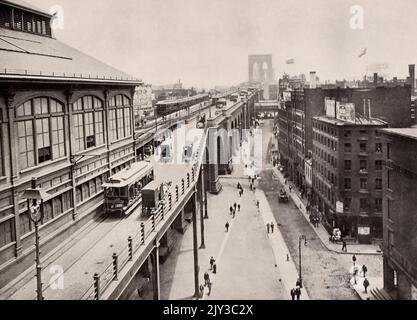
[
  {"x": 195, "y": 249},
  {"x": 156, "y": 276},
  {"x": 200, "y": 186}
]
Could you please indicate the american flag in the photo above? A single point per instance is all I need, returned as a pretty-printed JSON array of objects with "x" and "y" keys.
[{"x": 364, "y": 52}]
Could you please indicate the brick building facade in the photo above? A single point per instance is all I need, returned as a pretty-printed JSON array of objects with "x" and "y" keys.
[{"x": 400, "y": 220}]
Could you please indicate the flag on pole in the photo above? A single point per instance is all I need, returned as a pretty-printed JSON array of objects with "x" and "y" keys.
[
  {"x": 364, "y": 52},
  {"x": 290, "y": 61}
]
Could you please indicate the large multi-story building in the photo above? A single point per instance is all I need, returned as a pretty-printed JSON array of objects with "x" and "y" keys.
[
  {"x": 347, "y": 180},
  {"x": 66, "y": 120},
  {"x": 400, "y": 219},
  {"x": 143, "y": 104},
  {"x": 300, "y": 103}
]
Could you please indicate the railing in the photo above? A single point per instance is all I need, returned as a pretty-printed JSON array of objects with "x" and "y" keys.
[
  {"x": 171, "y": 119},
  {"x": 25, "y": 72},
  {"x": 148, "y": 228}
]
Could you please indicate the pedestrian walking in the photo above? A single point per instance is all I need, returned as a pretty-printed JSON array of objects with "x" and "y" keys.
[
  {"x": 344, "y": 246},
  {"x": 238, "y": 207},
  {"x": 268, "y": 226},
  {"x": 292, "y": 293},
  {"x": 298, "y": 293},
  {"x": 254, "y": 188},
  {"x": 239, "y": 186},
  {"x": 209, "y": 288},
  {"x": 231, "y": 209},
  {"x": 241, "y": 193},
  {"x": 250, "y": 179},
  {"x": 234, "y": 213},
  {"x": 227, "y": 225},
  {"x": 235, "y": 206},
  {"x": 272, "y": 227},
  {"x": 251, "y": 187},
  {"x": 212, "y": 261},
  {"x": 206, "y": 279},
  {"x": 364, "y": 270},
  {"x": 366, "y": 285},
  {"x": 354, "y": 259},
  {"x": 355, "y": 272},
  {"x": 257, "y": 204}
]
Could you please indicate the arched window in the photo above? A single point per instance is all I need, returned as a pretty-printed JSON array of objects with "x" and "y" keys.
[
  {"x": 87, "y": 116},
  {"x": 119, "y": 118},
  {"x": 40, "y": 126}
]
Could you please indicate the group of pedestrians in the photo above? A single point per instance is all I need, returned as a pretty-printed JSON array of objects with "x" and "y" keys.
[
  {"x": 363, "y": 271},
  {"x": 252, "y": 184},
  {"x": 296, "y": 292},
  {"x": 234, "y": 208},
  {"x": 207, "y": 281},
  {"x": 270, "y": 227}
]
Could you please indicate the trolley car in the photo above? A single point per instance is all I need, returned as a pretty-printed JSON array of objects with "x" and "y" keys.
[
  {"x": 166, "y": 107},
  {"x": 123, "y": 190}
]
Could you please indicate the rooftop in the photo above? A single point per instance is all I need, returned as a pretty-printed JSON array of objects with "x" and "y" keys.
[
  {"x": 25, "y": 6},
  {"x": 359, "y": 121},
  {"x": 30, "y": 56},
  {"x": 404, "y": 132}
]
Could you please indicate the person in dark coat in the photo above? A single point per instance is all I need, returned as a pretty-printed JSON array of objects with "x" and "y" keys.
[
  {"x": 238, "y": 207},
  {"x": 292, "y": 294},
  {"x": 366, "y": 285},
  {"x": 227, "y": 226},
  {"x": 212, "y": 261},
  {"x": 268, "y": 226},
  {"x": 272, "y": 227},
  {"x": 231, "y": 209},
  {"x": 344, "y": 246},
  {"x": 298, "y": 293},
  {"x": 239, "y": 186},
  {"x": 364, "y": 270},
  {"x": 206, "y": 279}
]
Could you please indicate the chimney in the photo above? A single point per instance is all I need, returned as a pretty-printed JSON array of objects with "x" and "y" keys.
[
  {"x": 412, "y": 71},
  {"x": 375, "y": 78},
  {"x": 313, "y": 80}
]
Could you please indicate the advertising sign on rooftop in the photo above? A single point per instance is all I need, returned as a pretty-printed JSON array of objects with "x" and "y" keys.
[{"x": 345, "y": 111}]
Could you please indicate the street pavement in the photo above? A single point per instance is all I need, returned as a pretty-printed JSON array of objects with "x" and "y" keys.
[
  {"x": 357, "y": 249},
  {"x": 244, "y": 257},
  {"x": 326, "y": 274}
]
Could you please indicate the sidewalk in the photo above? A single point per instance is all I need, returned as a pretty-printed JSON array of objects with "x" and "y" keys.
[
  {"x": 357, "y": 249},
  {"x": 374, "y": 284},
  {"x": 281, "y": 252}
]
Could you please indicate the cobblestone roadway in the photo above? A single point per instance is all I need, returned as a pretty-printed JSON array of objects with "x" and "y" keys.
[{"x": 325, "y": 274}]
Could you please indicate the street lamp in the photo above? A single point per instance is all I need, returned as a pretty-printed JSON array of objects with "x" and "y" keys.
[
  {"x": 303, "y": 237},
  {"x": 35, "y": 198}
]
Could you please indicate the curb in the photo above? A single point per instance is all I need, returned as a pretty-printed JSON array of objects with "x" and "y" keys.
[{"x": 292, "y": 195}]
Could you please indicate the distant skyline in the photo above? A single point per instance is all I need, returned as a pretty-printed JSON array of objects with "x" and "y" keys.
[{"x": 207, "y": 43}]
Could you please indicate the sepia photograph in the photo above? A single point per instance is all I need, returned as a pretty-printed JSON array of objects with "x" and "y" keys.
[{"x": 200, "y": 151}]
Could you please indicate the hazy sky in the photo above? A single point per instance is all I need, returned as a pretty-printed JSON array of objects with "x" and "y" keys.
[{"x": 207, "y": 42}]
